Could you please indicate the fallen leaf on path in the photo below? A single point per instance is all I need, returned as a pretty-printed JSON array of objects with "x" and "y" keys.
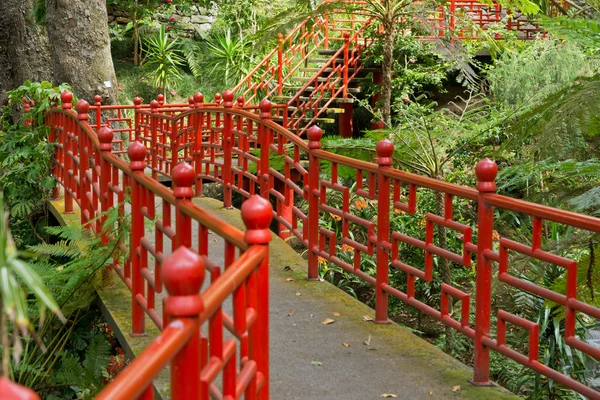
[
  {"x": 456, "y": 388},
  {"x": 328, "y": 321},
  {"x": 291, "y": 313},
  {"x": 298, "y": 294},
  {"x": 316, "y": 363},
  {"x": 336, "y": 314},
  {"x": 430, "y": 393},
  {"x": 346, "y": 344},
  {"x": 368, "y": 341},
  {"x": 289, "y": 279},
  {"x": 388, "y": 395},
  {"x": 366, "y": 318}
]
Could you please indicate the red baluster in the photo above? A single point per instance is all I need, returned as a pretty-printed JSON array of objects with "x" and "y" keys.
[
  {"x": 257, "y": 214},
  {"x": 264, "y": 140},
  {"x": 105, "y": 136},
  {"x": 66, "y": 98},
  {"x": 85, "y": 146},
  {"x": 227, "y": 144},
  {"x": 385, "y": 149},
  {"x": 314, "y": 134},
  {"x": 486, "y": 172},
  {"x": 280, "y": 41},
  {"x": 198, "y": 126},
  {"x": 154, "y": 151},
  {"x": 183, "y": 179},
  {"x": 183, "y": 275},
  {"x": 98, "y": 105},
  {"x": 137, "y": 106},
  {"x": 137, "y": 155}
]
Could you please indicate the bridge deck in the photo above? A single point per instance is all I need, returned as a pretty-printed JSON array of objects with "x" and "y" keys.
[{"x": 309, "y": 359}]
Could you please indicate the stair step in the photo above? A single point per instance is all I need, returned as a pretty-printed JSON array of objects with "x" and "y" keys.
[
  {"x": 351, "y": 70},
  {"x": 308, "y": 78},
  {"x": 308, "y": 119},
  {"x": 356, "y": 90},
  {"x": 282, "y": 99},
  {"x": 329, "y": 110},
  {"x": 320, "y": 60}
]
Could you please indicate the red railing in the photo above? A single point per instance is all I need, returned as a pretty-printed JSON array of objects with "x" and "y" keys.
[
  {"x": 250, "y": 154},
  {"x": 97, "y": 180}
]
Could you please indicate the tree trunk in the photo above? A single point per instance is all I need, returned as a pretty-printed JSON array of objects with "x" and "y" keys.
[
  {"x": 80, "y": 47},
  {"x": 24, "y": 51},
  {"x": 388, "y": 68}
]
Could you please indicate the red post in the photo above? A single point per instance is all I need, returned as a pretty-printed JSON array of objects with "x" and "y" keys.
[
  {"x": 137, "y": 106},
  {"x": 257, "y": 214},
  {"x": 198, "y": 99},
  {"x": 486, "y": 171},
  {"x": 227, "y": 144},
  {"x": 264, "y": 140},
  {"x": 98, "y": 104},
  {"x": 154, "y": 139},
  {"x": 67, "y": 98},
  {"x": 385, "y": 149},
  {"x": 326, "y": 38},
  {"x": 346, "y": 62},
  {"x": 105, "y": 136},
  {"x": 280, "y": 40},
  {"x": 314, "y": 135},
  {"x": 198, "y": 129},
  {"x": 85, "y": 148},
  {"x": 137, "y": 155},
  {"x": 13, "y": 391},
  {"x": 346, "y": 127},
  {"x": 183, "y": 275},
  {"x": 183, "y": 179}
]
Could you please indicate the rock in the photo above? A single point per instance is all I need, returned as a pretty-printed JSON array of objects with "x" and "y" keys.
[{"x": 123, "y": 20}]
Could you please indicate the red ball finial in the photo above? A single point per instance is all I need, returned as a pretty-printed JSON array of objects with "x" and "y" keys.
[
  {"x": 486, "y": 171},
  {"x": 105, "y": 136},
  {"x": 280, "y": 37},
  {"x": 66, "y": 98},
  {"x": 191, "y": 101},
  {"x": 198, "y": 99},
  {"x": 14, "y": 391},
  {"x": 154, "y": 106},
  {"x": 97, "y": 100},
  {"x": 228, "y": 98},
  {"x": 161, "y": 99},
  {"x": 82, "y": 108},
  {"x": 137, "y": 154},
  {"x": 240, "y": 101},
  {"x": 314, "y": 135},
  {"x": 137, "y": 102},
  {"x": 218, "y": 98},
  {"x": 183, "y": 272},
  {"x": 265, "y": 109},
  {"x": 385, "y": 149},
  {"x": 257, "y": 214},
  {"x": 346, "y": 37},
  {"x": 183, "y": 176}
]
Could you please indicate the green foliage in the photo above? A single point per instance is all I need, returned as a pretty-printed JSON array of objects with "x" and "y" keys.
[
  {"x": 164, "y": 58},
  {"x": 26, "y": 158}
]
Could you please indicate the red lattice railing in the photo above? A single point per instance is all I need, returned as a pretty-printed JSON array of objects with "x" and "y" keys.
[
  {"x": 97, "y": 180},
  {"x": 250, "y": 154}
]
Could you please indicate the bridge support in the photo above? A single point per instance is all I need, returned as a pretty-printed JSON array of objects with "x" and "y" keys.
[{"x": 345, "y": 122}]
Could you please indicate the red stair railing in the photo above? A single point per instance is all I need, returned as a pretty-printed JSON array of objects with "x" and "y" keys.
[
  {"x": 256, "y": 155},
  {"x": 97, "y": 180}
]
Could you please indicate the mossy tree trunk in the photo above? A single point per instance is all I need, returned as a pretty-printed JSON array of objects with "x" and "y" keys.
[{"x": 80, "y": 47}]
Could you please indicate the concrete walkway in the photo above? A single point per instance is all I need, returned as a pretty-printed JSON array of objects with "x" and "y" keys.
[{"x": 310, "y": 360}]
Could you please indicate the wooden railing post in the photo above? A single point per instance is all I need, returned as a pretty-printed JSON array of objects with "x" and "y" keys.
[
  {"x": 52, "y": 123},
  {"x": 85, "y": 148},
  {"x": 183, "y": 180},
  {"x": 486, "y": 172},
  {"x": 257, "y": 214},
  {"x": 154, "y": 139},
  {"x": 98, "y": 104},
  {"x": 385, "y": 149},
  {"x": 314, "y": 135},
  {"x": 137, "y": 106},
  {"x": 137, "y": 164},
  {"x": 183, "y": 275},
  {"x": 326, "y": 31},
  {"x": 198, "y": 132},
  {"x": 264, "y": 140},
  {"x": 280, "y": 40},
  {"x": 67, "y": 98},
  {"x": 227, "y": 144},
  {"x": 105, "y": 136},
  {"x": 346, "y": 62}
]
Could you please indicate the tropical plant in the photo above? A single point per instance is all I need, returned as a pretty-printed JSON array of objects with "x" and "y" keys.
[{"x": 164, "y": 58}]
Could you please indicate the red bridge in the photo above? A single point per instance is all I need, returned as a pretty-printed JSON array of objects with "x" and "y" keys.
[{"x": 238, "y": 148}]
